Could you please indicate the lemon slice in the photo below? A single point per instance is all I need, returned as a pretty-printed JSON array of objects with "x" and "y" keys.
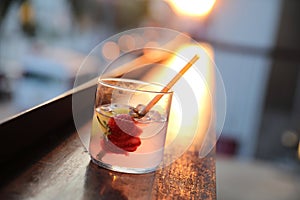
[{"x": 121, "y": 111}]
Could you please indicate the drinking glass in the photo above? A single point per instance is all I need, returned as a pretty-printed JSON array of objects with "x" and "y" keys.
[{"x": 121, "y": 139}]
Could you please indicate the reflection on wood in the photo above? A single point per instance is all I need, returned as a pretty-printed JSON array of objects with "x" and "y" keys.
[{"x": 67, "y": 173}]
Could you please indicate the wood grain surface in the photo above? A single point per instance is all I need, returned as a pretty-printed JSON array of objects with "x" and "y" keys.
[{"x": 66, "y": 172}]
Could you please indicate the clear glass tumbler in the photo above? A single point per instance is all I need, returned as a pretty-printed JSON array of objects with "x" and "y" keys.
[{"x": 120, "y": 140}]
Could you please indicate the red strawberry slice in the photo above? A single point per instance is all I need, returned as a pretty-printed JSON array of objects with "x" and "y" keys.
[
  {"x": 125, "y": 123},
  {"x": 124, "y": 133}
]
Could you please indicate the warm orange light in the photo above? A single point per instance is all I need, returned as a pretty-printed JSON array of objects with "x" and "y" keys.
[
  {"x": 126, "y": 43},
  {"x": 110, "y": 50},
  {"x": 192, "y": 7},
  {"x": 299, "y": 150},
  {"x": 200, "y": 88}
]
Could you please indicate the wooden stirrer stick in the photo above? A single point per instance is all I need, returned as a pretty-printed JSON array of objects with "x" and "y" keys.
[{"x": 146, "y": 109}]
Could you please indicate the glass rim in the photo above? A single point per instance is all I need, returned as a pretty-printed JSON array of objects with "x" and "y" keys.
[{"x": 102, "y": 81}]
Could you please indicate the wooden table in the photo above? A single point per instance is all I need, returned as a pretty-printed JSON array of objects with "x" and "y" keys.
[{"x": 52, "y": 164}]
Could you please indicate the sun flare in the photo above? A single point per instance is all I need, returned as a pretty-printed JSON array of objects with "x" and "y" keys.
[{"x": 192, "y": 7}]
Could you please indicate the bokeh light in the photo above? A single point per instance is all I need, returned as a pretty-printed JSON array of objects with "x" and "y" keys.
[{"x": 192, "y": 7}]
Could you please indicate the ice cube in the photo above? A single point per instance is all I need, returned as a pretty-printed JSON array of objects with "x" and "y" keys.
[
  {"x": 106, "y": 108},
  {"x": 153, "y": 115}
]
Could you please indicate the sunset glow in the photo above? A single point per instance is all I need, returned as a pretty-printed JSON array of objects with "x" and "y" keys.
[
  {"x": 192, "y": 7},
  {"x": 196, "y": 107}
]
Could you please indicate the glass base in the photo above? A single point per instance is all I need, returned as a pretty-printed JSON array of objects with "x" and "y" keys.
[{"x": 123, "y": 169}]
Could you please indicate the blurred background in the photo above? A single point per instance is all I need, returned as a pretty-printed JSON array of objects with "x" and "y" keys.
[{"x": 256, "y": 46}]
